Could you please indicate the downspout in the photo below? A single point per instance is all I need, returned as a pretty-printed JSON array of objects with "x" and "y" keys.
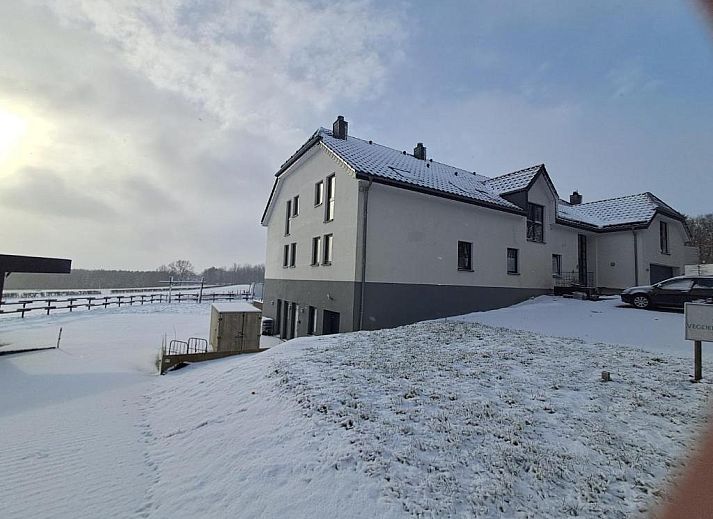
[
  {"x": 365, "y": 220},
  {"x": 636, "y": 257}
]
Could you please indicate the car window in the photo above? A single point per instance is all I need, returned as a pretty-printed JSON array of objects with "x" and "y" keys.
[
  {"x": 704, "y": 283},
  {"x": 677, "y": 284}
]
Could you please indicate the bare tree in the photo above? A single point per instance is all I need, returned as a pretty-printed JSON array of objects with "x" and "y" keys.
[{"x": 702, "y": 236}]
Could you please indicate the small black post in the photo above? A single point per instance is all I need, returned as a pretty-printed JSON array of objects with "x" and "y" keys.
[{"x": 697, "y": 354}]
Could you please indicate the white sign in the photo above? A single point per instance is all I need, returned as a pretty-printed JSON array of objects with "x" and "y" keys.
[
  {"x": 699, "y": 322},
  {"x": 698, "y": 270}
]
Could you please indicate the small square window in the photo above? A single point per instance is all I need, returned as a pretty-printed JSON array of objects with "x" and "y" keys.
[
  {"x": 465, "y": 255},
  {"x": 513, "y": 267}
]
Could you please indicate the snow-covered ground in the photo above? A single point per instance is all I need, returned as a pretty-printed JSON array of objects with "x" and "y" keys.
[
  {"x": 445, "y": 417},
  {"x": 608, "y": 320}
]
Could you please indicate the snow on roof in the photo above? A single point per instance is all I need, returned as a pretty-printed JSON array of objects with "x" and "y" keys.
[
  {"x": 515, "y": 181},
  {"x": 615, "y": 211},
  {"x": 400, "y": 166},
  {"x": 236, "y": 307}
]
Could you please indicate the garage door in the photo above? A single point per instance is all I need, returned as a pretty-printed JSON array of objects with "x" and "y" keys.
[{"x": 659, "y": 273}]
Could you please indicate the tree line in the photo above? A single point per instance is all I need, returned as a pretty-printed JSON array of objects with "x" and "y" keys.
[
  {"x": 183, "y": 270},
  {"x": 701, "y": 228}
]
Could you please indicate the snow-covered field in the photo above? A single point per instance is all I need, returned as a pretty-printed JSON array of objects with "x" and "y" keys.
[{"x": 439, "y": 418}]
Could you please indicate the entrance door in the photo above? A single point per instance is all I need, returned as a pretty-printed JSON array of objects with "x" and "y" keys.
[
  {"x": 330, "y": 322},
  {"x": 285, "y": 315},
  {"x": 294, "y": 313},
  {"x": 659, "y": 273},
  {"x": 582, "y": 259}
]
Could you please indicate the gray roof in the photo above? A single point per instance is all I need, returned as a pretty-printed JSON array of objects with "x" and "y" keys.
[
  {"x": 402, "y": 168},
  {"x": 515, "y": 181},
  {"x": 625, "y": 210}
]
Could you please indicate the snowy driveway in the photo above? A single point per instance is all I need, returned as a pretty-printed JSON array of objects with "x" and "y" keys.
[{"x": 608, "y": 320}]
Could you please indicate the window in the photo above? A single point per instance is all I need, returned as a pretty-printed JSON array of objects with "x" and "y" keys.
[
  {"x": 316, "y": 250},
  {"x": 296, "y": 205},
  {"x": 465, "y": 255},
  {"x": 677, "y": 284},
  {"x": 312, "y": 321},
  {"x": 329, "y": 209},
  {"x": 704, "y": 283},
  {"x": 663, "y": 237},
  {"x": 319, "y": 193},
  {"x": 512, "y": 261},
  {"x": 286, "y": 256},
  {"x": 328, "y": 238},
  {"x": 535, "y": 227},
  {"x": 293, "y": 254},
  {"x": 557, "y": 265},
  {"x": 288, "y": 214}
]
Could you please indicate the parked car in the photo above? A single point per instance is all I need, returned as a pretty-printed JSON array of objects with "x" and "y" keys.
[{"x": 672, "y": 292}]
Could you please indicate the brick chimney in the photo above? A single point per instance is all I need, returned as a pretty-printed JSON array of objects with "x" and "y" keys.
[
  {"x": 340, "y": 128},
  {"x": 419, "y": 151},
  {"x": 575, "y": 198}
]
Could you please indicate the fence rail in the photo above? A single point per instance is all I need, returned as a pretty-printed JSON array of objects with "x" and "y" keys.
[{"x": 71, "y": 303}]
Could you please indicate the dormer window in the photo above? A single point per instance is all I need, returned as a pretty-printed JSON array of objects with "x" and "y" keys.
[{"x": 535, "y": 223}]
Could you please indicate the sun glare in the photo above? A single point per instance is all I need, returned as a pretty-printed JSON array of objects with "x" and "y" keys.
[{"x": 13, "y": 129}]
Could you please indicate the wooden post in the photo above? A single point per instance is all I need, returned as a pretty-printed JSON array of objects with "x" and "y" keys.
[
  {"x": 200, "y": 294},
  {"x": 698, "y": 368}
]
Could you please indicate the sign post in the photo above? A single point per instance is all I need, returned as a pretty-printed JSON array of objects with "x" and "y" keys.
[{"x": 699, "y": 328}]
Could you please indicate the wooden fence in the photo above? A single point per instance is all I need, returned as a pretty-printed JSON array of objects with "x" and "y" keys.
[{"x": 71, "y": 303}]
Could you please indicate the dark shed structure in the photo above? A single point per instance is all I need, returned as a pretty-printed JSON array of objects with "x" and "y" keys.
[{"x": 31, "y": 264}]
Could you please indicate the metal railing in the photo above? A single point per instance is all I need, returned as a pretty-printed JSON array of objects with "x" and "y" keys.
[
  {"x": 193, "y": 345},
  {"x": 574, "y": 280}
]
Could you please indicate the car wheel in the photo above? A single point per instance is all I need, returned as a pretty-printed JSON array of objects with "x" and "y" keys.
[{"x": 641, "y": 301}]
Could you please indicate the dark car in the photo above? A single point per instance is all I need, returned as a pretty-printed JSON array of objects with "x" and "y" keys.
[{"x": 672, "y": 292}]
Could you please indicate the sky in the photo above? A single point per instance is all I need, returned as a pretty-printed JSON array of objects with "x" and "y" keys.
[{"x": 135, "y": 133}]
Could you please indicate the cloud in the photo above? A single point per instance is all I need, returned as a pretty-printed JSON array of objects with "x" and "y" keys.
[
  {"x": 48, "y": 194},
  {"x": 165, "y": 121}
]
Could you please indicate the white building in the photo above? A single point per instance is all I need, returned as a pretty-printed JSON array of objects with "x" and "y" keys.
[{"x": 362, "y": 236}]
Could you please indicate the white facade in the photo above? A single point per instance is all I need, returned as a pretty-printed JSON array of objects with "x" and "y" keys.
[{"x": 416, "y": 212}]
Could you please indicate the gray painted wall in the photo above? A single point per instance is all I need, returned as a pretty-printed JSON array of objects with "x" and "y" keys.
[
  {"x": 386, "y": 304},
  {"x": 336, "y": 296},
  {"x": 395, "y": 304}
]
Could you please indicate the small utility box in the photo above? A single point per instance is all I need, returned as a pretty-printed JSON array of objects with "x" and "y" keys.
[{"x": 235, "y": 327}]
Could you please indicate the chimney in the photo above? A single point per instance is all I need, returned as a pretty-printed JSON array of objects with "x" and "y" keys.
[
  {"x": 419, "y": 151},
  {"x": 339, "y": 128},
  {"x": 575, "y": 198}
]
